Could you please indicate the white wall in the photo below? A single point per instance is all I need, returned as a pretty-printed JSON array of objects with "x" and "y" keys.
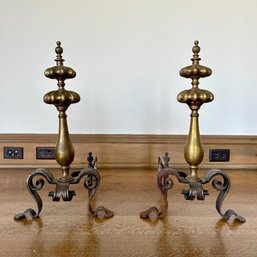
[{"x": 127, "y": 55}]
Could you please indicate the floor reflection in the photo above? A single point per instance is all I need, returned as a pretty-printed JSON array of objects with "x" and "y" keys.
[
  {"x": 180, "y": 241},
  {"x": 59, "y": 240}
]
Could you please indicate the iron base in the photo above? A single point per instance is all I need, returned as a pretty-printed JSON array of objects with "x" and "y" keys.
[
  {"x": 91, "y": 183},
  {"x": 195, "y": 190}
]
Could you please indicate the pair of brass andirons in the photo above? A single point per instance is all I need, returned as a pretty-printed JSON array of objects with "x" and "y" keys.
[{"x": 193, "y": 152}]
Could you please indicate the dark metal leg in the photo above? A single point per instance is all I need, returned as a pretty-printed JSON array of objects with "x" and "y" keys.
[
  {"x": 33, "y": 189},
  {"x": 223, "y": 187},
  {"x": 91, "y": 183},
  {"x": 164, "y": 183}
]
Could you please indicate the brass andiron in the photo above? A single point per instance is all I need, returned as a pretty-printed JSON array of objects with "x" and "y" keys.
[
  {"x": 64, "y": 152},
  {"x": 193, "y": 151}
]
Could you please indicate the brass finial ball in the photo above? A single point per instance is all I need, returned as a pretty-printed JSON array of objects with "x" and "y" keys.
[
  {"x": 58, "y": 49},
  {"x": 196, "y": 48}
]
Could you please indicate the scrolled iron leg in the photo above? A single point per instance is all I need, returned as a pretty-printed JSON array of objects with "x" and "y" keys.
[
  {"x": 224, "y": 188},
  {"x": 33, "y": 189},
  {"x": 92, "y": 183},
  {"x": 165, "y": 183}
]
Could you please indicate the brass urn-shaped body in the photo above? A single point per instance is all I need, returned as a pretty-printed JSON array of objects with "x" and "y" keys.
[
  {"x": 194, "y": 98},
  {"x": 62, "y": 99}
]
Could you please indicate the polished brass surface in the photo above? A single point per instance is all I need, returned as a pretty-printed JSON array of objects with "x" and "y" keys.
[
  {"x": 194, "y": 98},
  {"x": 64, "y": 152},
  {"x": 62, "y": 99},
  {"x": 193, "y": 152}
]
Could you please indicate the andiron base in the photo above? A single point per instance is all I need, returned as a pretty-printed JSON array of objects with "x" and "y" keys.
[
  {"x": 195, "y": 190},
  {"x": 91, "y": 182}
]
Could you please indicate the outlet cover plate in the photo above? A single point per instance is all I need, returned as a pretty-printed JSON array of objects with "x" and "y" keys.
[
  {"x": 45, "y": 153},
  {"x": 219, "y": 155},
  {"x": 13, "y": 152}
]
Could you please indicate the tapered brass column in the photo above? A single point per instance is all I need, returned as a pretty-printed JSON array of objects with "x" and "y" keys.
[
  {"x": 193, "y": 151},
  {"x": 62, "y": 99},
  {"x": 194, "y": 98}
]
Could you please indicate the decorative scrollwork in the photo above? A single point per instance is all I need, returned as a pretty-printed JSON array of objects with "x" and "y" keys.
[
  {"x": 195, "y": 190},
  {"x": 92, "y": 179},
  {"x": 91, "y": 183},
  {"x": 223, "y": 187},
  {"x": 165, "y": 183},
  {"x": 33, "y": 188}
]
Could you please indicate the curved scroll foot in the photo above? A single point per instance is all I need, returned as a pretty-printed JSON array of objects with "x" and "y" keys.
[
  {"x": 229, "y": 213},
  {"x": 101, "y": 212},
  {"x": 152, "y": 213},
  {"x": 29, "y": 213},
  {"x": 33, "y": 188},
  {"x": 223, "y": 187}
]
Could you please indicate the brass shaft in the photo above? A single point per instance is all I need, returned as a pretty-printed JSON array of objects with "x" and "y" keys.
[
  {"x": 193, "y": 151},
  {"x": 64, "y": 153},
  {"x": 194, "y": 98},
  {"x": 62, "y": 99}
]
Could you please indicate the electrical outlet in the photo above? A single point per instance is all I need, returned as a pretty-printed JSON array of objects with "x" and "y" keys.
[
  {"x": 45, "y": 153},
  {"x": 219, "y": 155},
  {"x": 13, "y": 152}
]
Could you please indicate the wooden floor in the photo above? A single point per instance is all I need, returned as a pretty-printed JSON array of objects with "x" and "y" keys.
[{"x": 192, "y": 228}]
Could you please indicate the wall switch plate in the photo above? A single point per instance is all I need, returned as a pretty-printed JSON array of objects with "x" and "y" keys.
[
  {"x": 219, "y": 155},
  {"x": 45, "y": 153},
  {"x": 13, "y": 152}
]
